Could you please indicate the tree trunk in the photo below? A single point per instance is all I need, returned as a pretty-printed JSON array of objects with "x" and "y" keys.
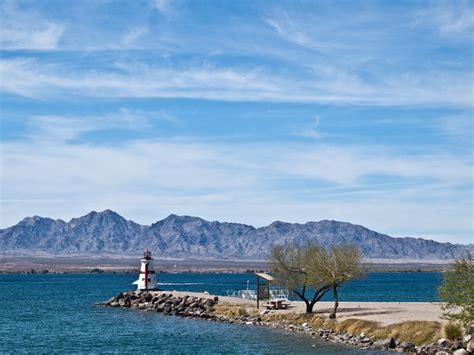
[
  {"x": 309, "y": 307},
  {"x": 318, "y": 294},
  {"x": 336, "y": 302}
]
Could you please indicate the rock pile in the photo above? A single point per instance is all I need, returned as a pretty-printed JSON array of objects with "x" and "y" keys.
[
  {"x": 196, "y": 307},
  {"x": 442, "y": 347},
  {"x": 186, "y": 306},
  {"x": 445, "y": 346}
]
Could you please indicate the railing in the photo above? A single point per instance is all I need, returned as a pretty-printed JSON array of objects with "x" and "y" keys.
[
  {"x": 275, "y": 295},
  {"x": 279, "y": 295},
  {"x": 245, "y": 294}
]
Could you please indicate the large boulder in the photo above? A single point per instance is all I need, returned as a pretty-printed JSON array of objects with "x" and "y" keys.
[
  {"x": 443, "y": 342},
  {"x": 209, "y": 304},
  {"x": 407, "y": 347}
]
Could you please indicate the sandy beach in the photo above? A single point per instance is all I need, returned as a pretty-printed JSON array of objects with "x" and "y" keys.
[{"x": 384, "y": 312}]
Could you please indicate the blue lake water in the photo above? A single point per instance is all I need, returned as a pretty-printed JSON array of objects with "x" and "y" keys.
[
  {"x": 376, "y": 287},
  {"x": 56, "y": 313}
]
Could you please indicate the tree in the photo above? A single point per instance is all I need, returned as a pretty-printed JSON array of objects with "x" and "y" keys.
[
  {"x": 457, "y": 290},
  {"x": 340, "y": 264},
  {"x": 294, "y": 265},
  {"x": 304, "y": 267}
]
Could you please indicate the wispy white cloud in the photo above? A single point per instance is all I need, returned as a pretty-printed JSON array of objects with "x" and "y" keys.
[
  {"x": 226, "y": 181},
  {"x": 449, "y": 17},
  {"x": 22, "y": 29},
  {"x": 346, "y": 166},
  {"x": 27, "y": 38},
  {"x": 132, "y": 36},
  {"x": 296, "y": 32},
  {"x": 64, "y": 128},
  {"x": 351, "y": 56},
  {"x": 30, "y": 78},
  {"x": 288, "y": 31},
  {"x": 459, "y": 127},
  {"x": 322, "y": 53},
  {"x": 27, "y": 77},
  {"x": 163, "y": 6},
  {"x": 312, "y": 130}
]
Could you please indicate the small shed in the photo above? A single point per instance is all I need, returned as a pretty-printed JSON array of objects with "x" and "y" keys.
[{"x": 263, "y": 286}]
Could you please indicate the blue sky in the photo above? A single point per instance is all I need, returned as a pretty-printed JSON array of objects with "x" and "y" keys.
[{"x": 245, "y": 111}]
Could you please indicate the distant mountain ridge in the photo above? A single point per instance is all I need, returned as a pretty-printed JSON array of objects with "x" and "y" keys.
[{"x": 183, "y": 236}]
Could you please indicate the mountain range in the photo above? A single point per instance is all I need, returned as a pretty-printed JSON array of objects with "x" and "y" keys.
[{"x": 102, "y": 233}]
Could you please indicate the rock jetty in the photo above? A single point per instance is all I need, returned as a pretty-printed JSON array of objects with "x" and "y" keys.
[
  {"x": 187, "y": 306},
  {"x": 204, "y": 308}
]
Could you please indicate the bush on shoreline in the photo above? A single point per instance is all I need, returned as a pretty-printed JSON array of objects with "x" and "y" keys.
[
  {"x": 457, "y": 291},
  {"x": 310, "y": 266}
]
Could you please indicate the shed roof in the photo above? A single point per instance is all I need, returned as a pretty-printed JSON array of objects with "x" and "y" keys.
[{"x": 265, "y": 276}]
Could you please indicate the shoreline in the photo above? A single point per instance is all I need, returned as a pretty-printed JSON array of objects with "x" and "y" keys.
[
  {"x": 95, "y": 270},
  {"x": 386, "y": 313},
  {"x": 373, "y": 330},
  {"x": 83, "y": 264}
]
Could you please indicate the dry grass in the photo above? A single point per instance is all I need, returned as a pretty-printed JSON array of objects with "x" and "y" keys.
[
  {"x": 417, "y": 332},
  {"x": 357, "y": 326},
  {"x": 232, "y": 310}
]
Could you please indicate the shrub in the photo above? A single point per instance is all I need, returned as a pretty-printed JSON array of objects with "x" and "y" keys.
[
  {"x": 457, "y": 291},
  {"x": 452, "y": 331}
]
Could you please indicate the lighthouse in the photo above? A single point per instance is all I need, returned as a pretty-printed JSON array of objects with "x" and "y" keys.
[{"x": 147, "y": 277}]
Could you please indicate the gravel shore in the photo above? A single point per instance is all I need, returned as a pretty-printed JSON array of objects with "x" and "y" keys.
[{"x": 206, "y": 306}]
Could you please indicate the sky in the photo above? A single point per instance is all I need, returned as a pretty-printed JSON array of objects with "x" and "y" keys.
[{"x": 240, "y": 111}]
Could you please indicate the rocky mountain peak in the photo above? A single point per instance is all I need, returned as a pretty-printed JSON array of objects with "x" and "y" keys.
[
  {"x": 31, "y": 220},
  {"x": 107, "y": 216},
  {"x": 186, "y": 236}
]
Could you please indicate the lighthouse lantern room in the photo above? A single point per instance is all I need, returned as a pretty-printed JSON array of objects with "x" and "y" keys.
[{"x": 147, "y": 277}]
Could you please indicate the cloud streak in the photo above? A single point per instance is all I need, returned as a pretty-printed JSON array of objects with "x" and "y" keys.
[
  {"x": 164, "y": 175},
  {"x": 23, "y": 29},
  {"x": 391, "y": 82},
  {"x": 450, "y": 18},
  {"x": 31, "y": 78},
  {"x": 64, "y": 128}
]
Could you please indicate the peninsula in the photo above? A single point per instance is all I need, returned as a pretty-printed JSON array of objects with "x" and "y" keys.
[{"x": 399, "y": 326}]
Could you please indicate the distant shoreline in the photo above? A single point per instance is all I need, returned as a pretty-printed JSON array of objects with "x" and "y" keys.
[{"x": 76, "y": 265}]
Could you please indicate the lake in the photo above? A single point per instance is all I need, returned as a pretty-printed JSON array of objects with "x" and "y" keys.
[{"x": 56, "y": 313}]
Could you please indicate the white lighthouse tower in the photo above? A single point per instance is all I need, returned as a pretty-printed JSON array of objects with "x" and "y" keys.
[{"x": 147, "y": 277}]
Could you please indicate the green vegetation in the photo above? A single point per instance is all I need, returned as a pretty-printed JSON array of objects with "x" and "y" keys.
[
  {"x": 452, "y": 331},
  {"x": 312, "y": 267},
  {"x": 457, "y": 290},
  {"x": 338, "y": 265}
]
